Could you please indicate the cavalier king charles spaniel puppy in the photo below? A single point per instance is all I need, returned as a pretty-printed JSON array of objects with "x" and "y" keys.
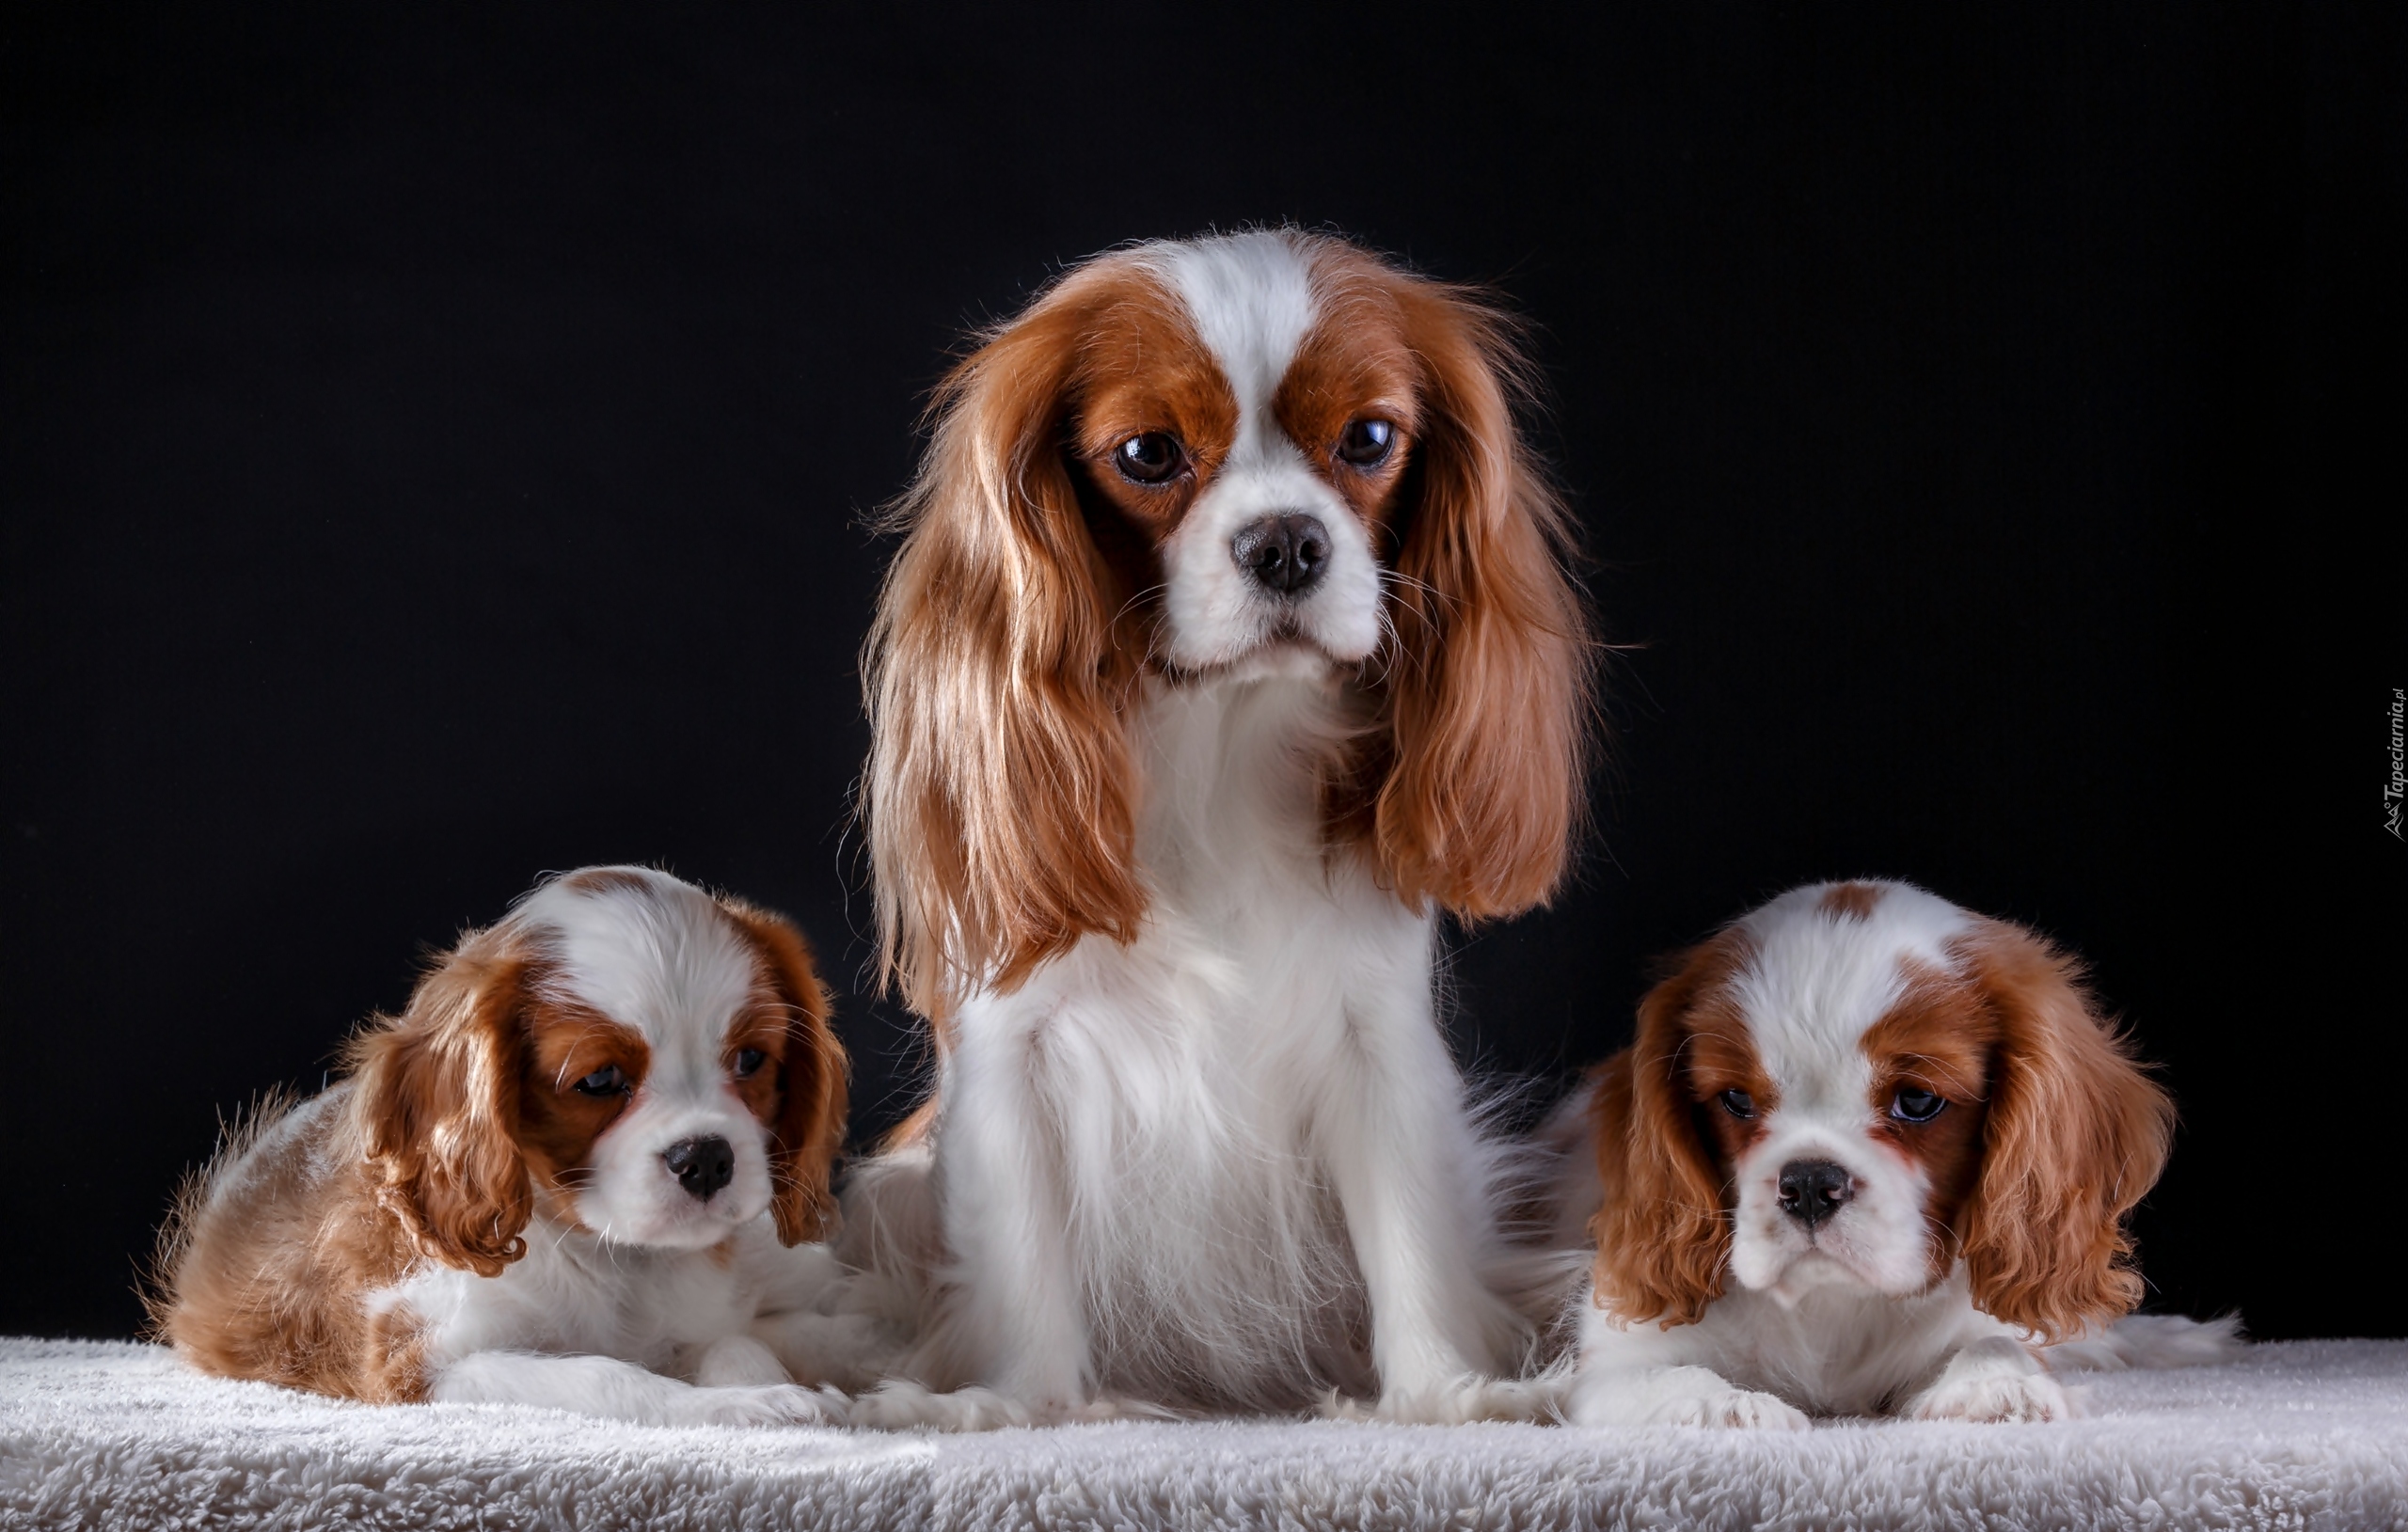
[
  {"x": 1230, "y": 643},
  {"x": 1869, "y": 1154},
  {"x": 545, "y": 1181}
]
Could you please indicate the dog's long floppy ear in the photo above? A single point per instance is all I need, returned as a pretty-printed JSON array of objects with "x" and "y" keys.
[
  {"x": 1487, "y": 678},
  {"x": 811, "y": 1104},
  {"x": 2077, "y": 1135},
  {"x": 1663, "y": 1238},
  {"x": 996, "y": 793},
  {"x": 437, "y": 1100}
]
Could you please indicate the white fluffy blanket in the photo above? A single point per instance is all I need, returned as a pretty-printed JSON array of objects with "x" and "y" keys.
[{"x": 2311, "y": 1434}]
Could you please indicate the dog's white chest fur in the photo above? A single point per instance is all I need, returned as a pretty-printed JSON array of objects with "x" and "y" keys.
[
  {"x": 574, "y": 1294},
  {"x": 1177, "y": 1108}
]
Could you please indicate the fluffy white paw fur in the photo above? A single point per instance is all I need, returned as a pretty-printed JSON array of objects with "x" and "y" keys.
[
  {"x": 1992, "y": 1398},
  {"x": 906, "y": 1406},
  {"x": 1677, "y": 1397},
  {"x": 737, "y": 1361},
  {"x": 1993, "y": 1380},
  {"x": 766, "y": 1404},
  {"x": 1538, "y": 1401},
  {"x": 1731, "y": 1409}
]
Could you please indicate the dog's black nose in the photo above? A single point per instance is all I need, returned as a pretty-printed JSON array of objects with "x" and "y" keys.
[
  {"x": 1813, "y": 1190},
  {"x": 1284, "y": 554},
  {"x": 702, "y": 1166}
]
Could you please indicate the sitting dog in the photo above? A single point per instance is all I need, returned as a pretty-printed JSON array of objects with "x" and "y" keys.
[
  {"x": 1230, "y": 644},
  {"x": 545, "y": 1181},
  {"x": 1867, "y": 1155}
]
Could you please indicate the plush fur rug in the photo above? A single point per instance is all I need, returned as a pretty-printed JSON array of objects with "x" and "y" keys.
[{"x": 2311, "y": 1434}]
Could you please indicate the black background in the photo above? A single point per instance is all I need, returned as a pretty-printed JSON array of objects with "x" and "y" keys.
[{"x": 434, "y": 443}]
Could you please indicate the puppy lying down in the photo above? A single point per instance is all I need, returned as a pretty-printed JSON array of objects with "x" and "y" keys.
[
  {"x": 1868, "y": 1154},
  {"x": 544, "y": 1182}
]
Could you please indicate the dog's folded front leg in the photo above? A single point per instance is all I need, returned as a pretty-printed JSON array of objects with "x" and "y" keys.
[
  {"x": 1645, "y": 1373},
  {"x": 1676, "y": 1396},
  {"x": 615, "y": 1390}
]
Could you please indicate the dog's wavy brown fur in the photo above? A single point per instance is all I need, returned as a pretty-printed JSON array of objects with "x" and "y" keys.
[
  {"x": 1663, "y": 1231},
  {"x": 1000, "y": 664},
  {"x": 2077, "y": 1135},
  {"x": 271, "y": 1255}
]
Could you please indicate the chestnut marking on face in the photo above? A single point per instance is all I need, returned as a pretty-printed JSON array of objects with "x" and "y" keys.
[
  {"x": 754, "y": 1056},
  {"x": 1150, "y": 419},
  {"x": 1930, "y": 1060},
  {"x": 581, "y": 1069},
  {"x": 1351, "y": 398},
  {"x": 1728, "y": 1085}
]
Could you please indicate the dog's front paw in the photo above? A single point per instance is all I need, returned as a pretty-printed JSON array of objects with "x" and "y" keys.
[
  {"x": 1993, "y": 1398},
  {"x": 1993, "y": 1380},
  {"x": 1105, "y": 1407},
  {"x": 1731, "y": 1409},
  {"x": 766, "y": 1404},
  {"x": 1465, "y": 1400},
  {"x": 906, "y": 1406},
  {"x": 737, "y": 1361},
  {"x": 1676, "y": 1396}
]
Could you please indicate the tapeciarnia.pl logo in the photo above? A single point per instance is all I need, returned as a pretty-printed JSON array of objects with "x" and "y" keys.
[{"x": 2398, "y": 786}]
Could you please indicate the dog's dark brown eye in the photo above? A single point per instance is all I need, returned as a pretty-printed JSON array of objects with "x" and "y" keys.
[
  {"x": 1739, "y": 1103},
  {"x": 1153, "y": 457},
  {"x": 749, "y": 1062},
  {"x": 1366, "y": 443},
  {"x": 608, "y": 1080},
  {"x": 1915, "y": 1104}
]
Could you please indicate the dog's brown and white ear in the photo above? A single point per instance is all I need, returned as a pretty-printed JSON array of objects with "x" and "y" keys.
[
  {"x": 998, "y": 811},
  {"x": 439, "y": 1100},
  {"x": 2077, "y": 1134},
  {"x": 1487, "y": 681},
  {"x": 809, "y": 1129},
  {"x": 1663, "y": 1238}
]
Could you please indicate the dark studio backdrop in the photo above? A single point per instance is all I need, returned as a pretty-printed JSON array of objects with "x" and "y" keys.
[{"x": 434, "y": 440}]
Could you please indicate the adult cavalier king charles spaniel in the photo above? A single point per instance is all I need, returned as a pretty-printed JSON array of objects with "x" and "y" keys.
[
  {"x": 1869, "y": 1154},
  {"x": 544, "y": 1182},
  {"x": 1228, "y": 644}
]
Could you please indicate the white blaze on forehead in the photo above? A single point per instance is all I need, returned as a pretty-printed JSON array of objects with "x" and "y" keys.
[
  {"x": 1250, "y": 297},
  {"x": 657, "y": 956},
  {"x": 1821, "y": 978}
]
